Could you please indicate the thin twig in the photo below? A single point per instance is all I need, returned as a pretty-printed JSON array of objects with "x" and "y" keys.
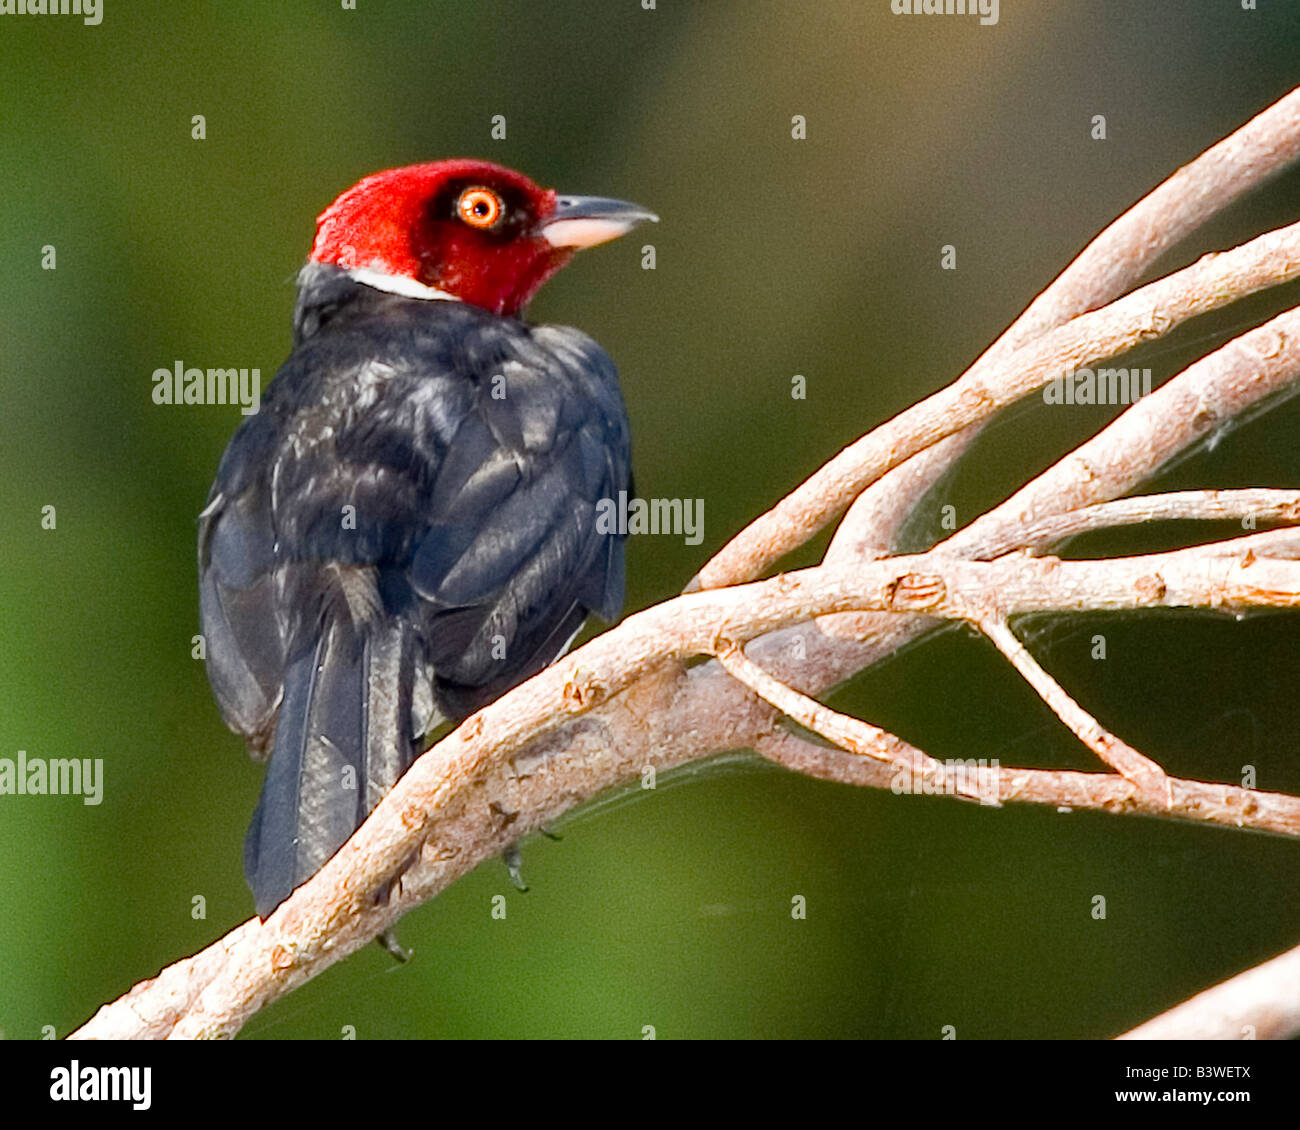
[
  {"x": 850, "y": 734},
  {"x": 1200, "y": 802},
  {"x": 1119, "y": 755},
  {"x": 1259, "y": 506}
]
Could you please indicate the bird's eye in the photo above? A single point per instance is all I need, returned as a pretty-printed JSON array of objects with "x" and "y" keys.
[{"x": 479, "y": 207}]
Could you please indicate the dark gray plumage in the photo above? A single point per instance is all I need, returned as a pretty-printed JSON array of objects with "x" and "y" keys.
[{"x": 407, "y": 526}]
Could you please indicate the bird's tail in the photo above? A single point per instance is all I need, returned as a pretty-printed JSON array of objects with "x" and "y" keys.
[{"x": 342, "y": 739}]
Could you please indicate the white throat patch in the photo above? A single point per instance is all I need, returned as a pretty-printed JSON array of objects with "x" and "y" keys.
[{"x": 398, "y": 284}]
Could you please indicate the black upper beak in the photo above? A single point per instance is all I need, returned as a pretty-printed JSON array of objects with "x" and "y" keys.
[{"x": 585, "y": 221}]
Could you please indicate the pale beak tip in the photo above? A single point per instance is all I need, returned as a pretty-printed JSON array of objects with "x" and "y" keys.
[{"x": 587, "y": 221}]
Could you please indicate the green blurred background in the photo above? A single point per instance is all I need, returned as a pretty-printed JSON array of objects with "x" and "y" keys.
[{"x": 774, "y": 257}]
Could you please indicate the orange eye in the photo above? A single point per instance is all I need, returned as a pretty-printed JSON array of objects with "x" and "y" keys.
[{"x": 479, "y": 207}]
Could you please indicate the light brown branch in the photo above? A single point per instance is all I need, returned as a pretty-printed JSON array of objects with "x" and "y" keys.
[
  {"x": 850, "y": 734},
  {"x": 336, "y": 911},
  {"x": 1190, "y": 406},
  {"x": 1119, "y": 755},
  {"x": 1260, "y": 506},
  {"x": 1261, "y": 1004},
  {"x": 1240, "y": 162},
  {"x": 1198, "y": 801}
]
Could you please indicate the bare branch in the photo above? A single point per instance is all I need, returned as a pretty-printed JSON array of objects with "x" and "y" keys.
[
  {"x": 848, "y": 733},
  {"x": 1256, "y": 505},
  {"x": 1261, "y": 1004},
  {"x": 1198, "y": 801},
  {"x": 1240, "y": 162},
  {"x": 1123, "y": 758},
  {"x": 344, "y": 905},
  {"x": 870, "y": 527},
  {"x": 1184, "y": 410},
  {"x": 1144, "y": 315}
]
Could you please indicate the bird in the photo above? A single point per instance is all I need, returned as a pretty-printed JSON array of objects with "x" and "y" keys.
[{"x": 407, "y": 526}]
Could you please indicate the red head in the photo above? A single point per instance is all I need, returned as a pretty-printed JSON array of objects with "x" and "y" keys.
[{"x": 463, "y": 229}]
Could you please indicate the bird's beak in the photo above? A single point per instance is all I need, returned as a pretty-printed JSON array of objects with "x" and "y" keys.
[{"x": 584, "y": 221}]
